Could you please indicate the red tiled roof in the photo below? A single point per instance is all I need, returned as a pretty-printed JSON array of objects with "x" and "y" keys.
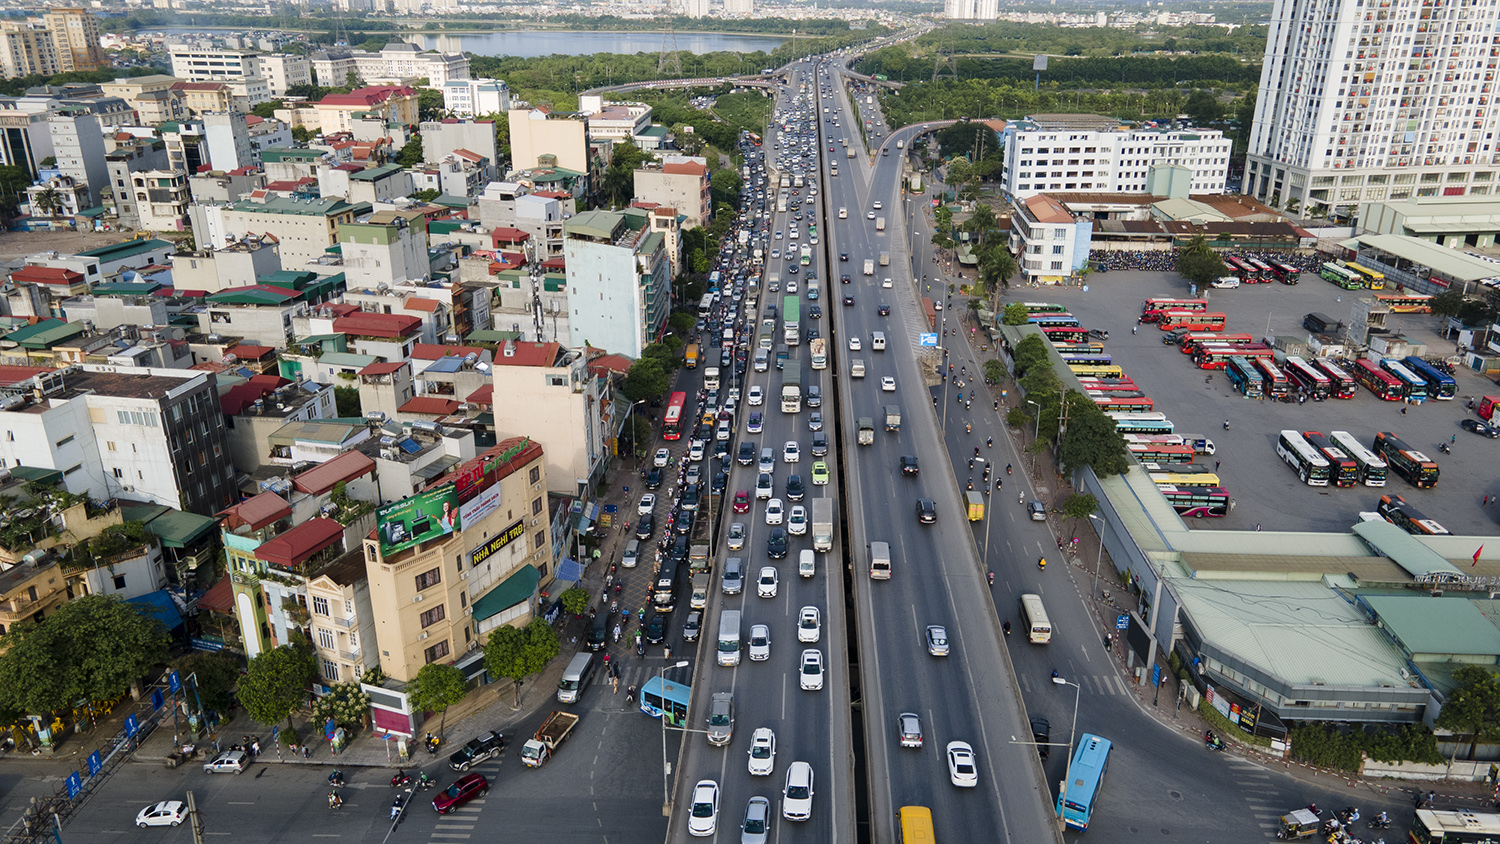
[
  {"x": 686, "y": 168},
  {"x": 219, "y": 597},
  {"x": 529, "y": 453},
  {"x": 483, "y": 395},
  {"x": 367, "y": 96},
  {"x": 245, "y": 351},
  {"x": 469, "y": 156},
  {"x": 301, "y": 542},
  {"x": 341, "y": 308},
  {"x": 552, "y": 194},
  {"x": 376, "y": 325},
  {"x": 325, "y": 476},
  {"x": 12, "y": 375},
  {"x": 46, "y": 275},
  {"x": 430, "y": 406},
  {"x": 437, "y": 351},
  {"x": 558, "y": 263},
  {"x": 618, "y": 364},
  {"x": 507, "y": 234},
  {"x": 256, "y": 512},
  {"x": 417, "y": 303},
  {"x": 382, "y": 368},
  {"x": 528, "y": 354}
]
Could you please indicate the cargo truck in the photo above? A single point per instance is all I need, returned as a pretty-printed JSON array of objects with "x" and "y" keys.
[
  {"x": 1199, "y": 443},
  {"x": 699, "y": 598},
  {"x": 822, "y": 524},
  {"x": 791, "y": 320},
  {"x": 849, "y": 153},
  {"x": 869, "y": 266},
  {"x": 691, "y": 355},
  {"x": 791, "y": 390},
  {"x": 893, "y": 418},
  {"x": 553, "y": 732},
  {"x": 698, "y": 557},
  {"x": 885, "y": 259},
  {"x": 866, "y": 430},
  {"x": 880, "y": 224}
]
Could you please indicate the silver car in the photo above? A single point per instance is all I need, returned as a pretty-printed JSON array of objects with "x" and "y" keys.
[
  {"x": 757, "y": 826},
  {"x": 721, "y": 719}
]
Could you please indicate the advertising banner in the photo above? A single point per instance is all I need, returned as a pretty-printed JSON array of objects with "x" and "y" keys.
[
  {"x": 497, "y": 542},
  {"x": 481, "y": 505},
  {"x": 417, "y": 519}
]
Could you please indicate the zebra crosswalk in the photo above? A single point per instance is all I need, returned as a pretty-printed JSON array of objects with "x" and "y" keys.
[{"x": 1100, "y": 684}]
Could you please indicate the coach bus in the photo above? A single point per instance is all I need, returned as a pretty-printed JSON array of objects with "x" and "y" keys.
[
  {"x": 1463, "y": 826},
  {"x": 1440, "y": 385},
  {"x": 1043, "y": 308},
  {"x": 916, "y": 825},
  {"x": 1347, "y": 279},
  {"x": 1130, "y": 404},
  {"x": 1064, "y": 334},
  {"x": 1394, "y": 509},
  {"x": 1038, "y": 626},
  {"x": 1087, "y": 360},
  {"x": 1079, "y": 348},
  {"x": 1285, "y": 273},
  {"x": 1263, "y": 271},
  {"x": 1307, "y": 378},
  {"x": 1197, "y": 501},
  {"x": 1275, "y": 380},
  {"x": 1161, "y": 454},
  {"x": 1217, "y": 357},
  {"x": 1373, "y": 279},
  {"x": 1412, "y": 386},
  {"x": 1184, "y": 480},
  {"x": 1383, "y": 384},
  {"x": 1190, "y": 343},
  {"x": 1239, "y": 268},
  {"x": 1413, "y": 466},
  {"x": 1371, "y": 468},
  {"x": 1076, "y": 799},
  {"x": 1340, "y": 383},
  {"x": 1343, "y": 470},
  {"x": 1192, "y": 320},
  {"x": 1142, "y": 423},
  {"x": 1063, "y": 320},
  {"x": 671, "y": 421},
  {"x": 1097, "y": 371},
  {"x": 1159, "y": 304},
  {"x": 1245, "y": 377},
  {"x": 1109, "y": 385},
  {"x": 1405, "y": 303},
  {"x": 1305, "y": 460}
]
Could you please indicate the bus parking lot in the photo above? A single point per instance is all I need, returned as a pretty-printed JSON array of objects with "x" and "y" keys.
[{"x": 1266, "y": 492}]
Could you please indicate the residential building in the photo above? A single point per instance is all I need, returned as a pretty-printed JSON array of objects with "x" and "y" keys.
[
  {"x": 739, "y": 8},
  {"x": 75, "y": 32},
  {"x": 393, "y": 103},
  {"x": 441, "y": 138},
  {"x": 1050, "y": 243},
  {"x": 152, "y": 97},
  {"x": 220, "y": 186},
  {"x": 284, "y": 70},
  {"x": 57, "y": 197},
  {"x": 385, "y": 183},
  {"x": 304, "y": 229},
  {"x": 25, "y": 138},
  {"x": 27, "y": 49},
  {"x": 459, "y": 174},
  {"x": 161, "y": 200},
  {"x": 385, "y": 248},
  {"x": 200, "y": 98},
  {"x": 398, "y": 63},
  {"x": 1358, "y": 103},
  {"x": 545, "y": 392},
  {"x": 971, "y": 10},
  {"x": 227, "y": 137},
  {"x": 127, "y": 159},
  {"x": 342, "y": 619},
  {"x": 78, "y": 145},
  {"x": 693, "y": 8},
  {"x": 679, "y": 182},
  {"x": 31, "y": 591},
  {"x": 264, "y": 405},
  {"x": 476, "y": 97},
  {"x": 537, "y": 132},
  {"x": 619, "y": 281},
  {"x": 104, "y": 313},
  {"x": 1063, "y": 152},
  {"x": 439, "y": 600},
  {"x": 290, "y": 164},
  {"x": 615, "y": 122},
  {"x": 127, "y": 255},
  {"x": 385, "y": 386}
]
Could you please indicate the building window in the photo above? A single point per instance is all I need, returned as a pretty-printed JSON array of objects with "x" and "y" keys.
[
  {"x": 541, "y": 540},
  {"x": 326, "y": 640},
  {"x": 320, "y": 605},
  {"x": 536, "y": 475},
  {"x": 436, "y": 652},
  {"x": 429, "y": 578},
  {"x": 536, "y": 507},
  {"x": 64, "y": 441},
  {"x": 433, "y": 616},
  {"x": 119, "y": 473},
  {"x": 119, "y": 581},
  {"x": 330, "y": 670}
]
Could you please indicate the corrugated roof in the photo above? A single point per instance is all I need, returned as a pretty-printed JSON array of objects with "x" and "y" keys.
[
  {"x": 301, "y": 542},
  {"x": 325, "y": 476},
  {"x": 1446, "y": 262},
  {"x": 1403, "y": 549},
  {"x": 430, "y": 406},
  {"x": 1430, "y": 627},
  {"x": 257, "y": 512}
]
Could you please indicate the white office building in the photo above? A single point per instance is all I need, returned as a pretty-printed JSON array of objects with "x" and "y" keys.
[
  {"x": 1047, "y": 153},
  {"x": 972, "y": 10},
  {"x": 476, "y": 97},
  {"x": 1373, "y": 101}
]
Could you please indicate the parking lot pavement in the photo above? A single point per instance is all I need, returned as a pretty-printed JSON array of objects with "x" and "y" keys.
[{"x": 1265, "y": 490}]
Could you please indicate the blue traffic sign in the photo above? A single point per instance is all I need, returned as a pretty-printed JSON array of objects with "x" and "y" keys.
[
  {"x": 1122, "y": 622},
  {"x": 927, "y": 338},
  {"x": 1156, "y": 674}
]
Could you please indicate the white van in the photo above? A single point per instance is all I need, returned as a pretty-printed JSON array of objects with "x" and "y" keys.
[
  {"x": 877, "y": 341},
  {"x": 880, "y": 561},
  {"x": 729, "y": 637},
  {"x": 762, "y": 360},
  {"x": 806, "y": 563},
  {"x": 575, "y": 678}
]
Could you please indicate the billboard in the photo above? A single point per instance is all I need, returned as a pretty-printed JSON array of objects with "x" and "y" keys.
[
  {"x": 481, "y": 505},
  {"x": 418, "y": 518},
  {"x": 497, "y": 542}
]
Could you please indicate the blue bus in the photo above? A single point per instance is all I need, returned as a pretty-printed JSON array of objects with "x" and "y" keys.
[
  {"x": 1440, "y": 385},
  {"x": 1415, "y": 386},
  {"x": 1087, "y": 359},
  {"x": 1245, "y": 377},
  {"x": 666, "y": 697},
  {"x": 1063, "y": 320},
  {"x": 1085, "y": 778}
]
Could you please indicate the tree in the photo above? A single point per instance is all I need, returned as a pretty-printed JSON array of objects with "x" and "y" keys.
[
  {"x": 981, "y": 222},
  {"x": 1199, "y": 263},
  {"x": 1080, "y": 505},
  {"x": 724, "y": 187},
  {"x": 13, "y": 181},
  {"x": 410, "y": 154},
  {"x": 517, "y": 653},
  {"x": 1029, "y": 353},
  {"x": 664, "y": 354},
  {"x": 1092, "y": 439},
  {"x": 1015, "y": 314},
  {"x": 430, "y": 105},
  {"x": 346, "y": 401},
  {"x": 994, "y": 370},
  {"x": 348, "y": 704},
  {"x": 575, "y": 600},
  {"x": 276, "y": 683},
  {"x": 91, "y": 648},
  {"x": 645, "y": 380},
  {"x": 1203, "y": 107},
  {"x": 1244, "y": 112},
  {"x": 435, "y": 688},
  {"x": 681, "y": 322},
  {"x": 215, "y": 675},
  {"x": 267, "y": 110},
  {"x": 302, "y": 134},
  {"x": 48, "y": 201},
  {"x": 1473, "y": 709},
  {"x": 427, "y": 194},
  {"x": 960, "y": 171}
]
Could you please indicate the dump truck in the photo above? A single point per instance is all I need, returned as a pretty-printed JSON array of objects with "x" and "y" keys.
[
  {"x": 549, "y": 736},
  {"x": 885, "y": 259},
  {"x": 869, "y": 266},
  {"x": 893, "y": 417},
  {"x": 866, "y": 430},
  {"x": 822, "y": 524}
]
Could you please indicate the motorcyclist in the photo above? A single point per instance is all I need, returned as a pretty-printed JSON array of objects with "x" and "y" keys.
[
  {"x": 1041, "y": 563},
  {"x": 1006, "y": 627},
  {"x": 334, "y": 800},
  {"x": 396, "y": 808},
  {"x": 336, "y": 779},
  {"x": 1226, "y": 424},
  {"x": 991, "y": 576}
]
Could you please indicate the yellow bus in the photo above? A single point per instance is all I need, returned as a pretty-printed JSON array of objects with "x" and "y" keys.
[
  {"x": 916, "y": 825},
  {"x": 1089, "y": 370},
  {"x": 1374, "y": 279},
  {"x": 1185, "y": 479},
  {"x": 1038, "y": 626}
]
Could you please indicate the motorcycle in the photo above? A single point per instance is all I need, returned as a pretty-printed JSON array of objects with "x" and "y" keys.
[
  {"x": 1444, "y": 448},
  {"x": 1213, "y": 742},
  {"x": 401, "y": 779},
  {"x": 992, "y": 583},
  {"x": 1226, "y": 424},
  {"x": 432, "y": 742},
  {"x": 425, "y": 782},
  {"x": 1006, "y": 627},
  {"x": 1041, "y": 564},
  {"x": 334, "y": 800},
  {"x": 336, "y": 779},
  {"x": 1380, "y": 821},
  {"x": 1349, "y": 815}
]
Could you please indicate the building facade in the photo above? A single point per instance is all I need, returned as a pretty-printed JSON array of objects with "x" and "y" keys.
[
  {"x": 1047, "y": 155},
  {"x": 619, "y": 281},
  {"x": 476, "y": 97}
]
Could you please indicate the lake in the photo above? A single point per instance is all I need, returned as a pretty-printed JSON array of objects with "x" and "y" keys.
[{"x": 533, "y": 43}]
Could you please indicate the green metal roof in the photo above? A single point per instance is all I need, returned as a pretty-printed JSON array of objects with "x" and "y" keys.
[
  {"x": 1403, "y": 549},
  {"x": 37, "y": 474},
  {"x": 288, "y": 278},
  {"x": 310, "y": 207},
  {"x": 1434, "y": 627},
  {"x": 485, "y": 335},
  {"x": 514, "y": 590},
  {"x": 370, "y": 174},
  {"x": 597, "y": 224},
  {"x": 348, "y": 359},
  {"x": 653, "y": 132},
  {"x": 279, "y": 154},
  {"x": 174, "y": 528},
  {"x": 127, "y": 288},
  {"x": 120, "y": 251},
  {"x": 253, "y": 296},
  {"x": 45, "y": 334},
  {"x": 448, "y": 201}
]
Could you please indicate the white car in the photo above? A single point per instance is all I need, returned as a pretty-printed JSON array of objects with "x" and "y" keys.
[
  {"x": 791, "y": 287},
  {"x": 760, "y": 642},
  {"x": 790, "y": 452},
  {"x": 763, "y": 485},
  {"x": 796, "y": 520},
  {"x": 853, "y": 344},
  {"x": 811, "y": 676},
  {"x": 1227, "y": 282},
  {"x": 165, "y": 813},
  {"x": 762, "y": 752},
  {"x": 796, "y": 798},
  {"x": 886, "y": 282},
  {"x": 869, "y": 215},
  {"x": 765, "y": 587},
  {"x": 737, "y": 536},
  {"x": 809, "y": 625},
  {"x": 961, "y": 767},
  {"x": 648, "y": 503},
  {"x": 887, "y": 384},
  {"x": 703, "y": 817},
  {"x": 695, "y": 451},
  {"x": 723, "y": 432},
  {"x": 756, "y": 397},
  {"x": 775, "y": 511},
  {"x": 876, "y": 205},
  {"x": 662, "y": 458}
]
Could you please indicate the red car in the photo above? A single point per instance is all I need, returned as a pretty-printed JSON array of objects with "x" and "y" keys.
[
  {"x": 742, "y": 501},
  {"x": 464, "y": 789}
]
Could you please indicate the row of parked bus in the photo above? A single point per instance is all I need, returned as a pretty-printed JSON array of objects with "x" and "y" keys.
[{"x": 1341, "y": 460}]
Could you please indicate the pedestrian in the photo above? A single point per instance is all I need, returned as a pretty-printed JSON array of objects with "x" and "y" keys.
[
  {"x": 255, "y": 748},
  {"x": 306, "y": 751},
  {"x": 1216, "y": 465},
  {"x": 1403, "y": 411},
  {"x": 1108, "y": 641},
  {"x": 1453, "y": 439}
]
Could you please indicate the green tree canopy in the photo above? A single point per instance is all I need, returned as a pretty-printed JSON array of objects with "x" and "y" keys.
[
  {"x": 216, "y": 674},
  {"x": 519, "y": 652},
  {"x": 430, "y": 104},
  {"x": 435, "y": 688},
  {"x": 1029, "y": 353},
  {"x": 1199, "y": 263},
  {"x": 410, "y": 154},
  {"x": 1203, "y": 107},
  {"x": 1092, "y": 439},
  {"x": 575, "y": 600},
  {"x": 275, "y": 684},
  {"x": 346, "y": 703},
  {"x": 645, "y": 380},
  {"x": 347, "y": 401},
  {"x": 664, "y": 354},
  {"x": 91, "y": 648},
  {"x": 1473, "y": 709},
  {"x": 1015, "y": 314}
]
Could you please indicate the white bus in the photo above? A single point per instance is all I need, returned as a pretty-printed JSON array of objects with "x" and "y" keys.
[
  {"x": 1307, "y": 461},
  {"x": 705, "y": 305},
  {"x": 1038, "y": 626},
  {"x": 1371, "y": 468}
]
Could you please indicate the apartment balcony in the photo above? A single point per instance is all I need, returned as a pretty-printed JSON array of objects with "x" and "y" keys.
[{"x": 245, "y": 578}]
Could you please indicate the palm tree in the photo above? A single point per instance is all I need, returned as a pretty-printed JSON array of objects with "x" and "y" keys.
[{"x": 48, "y": 202}]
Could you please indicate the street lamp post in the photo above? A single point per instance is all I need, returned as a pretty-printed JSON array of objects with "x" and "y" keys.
[
  {"x": 666, "y": 794},
  {"x": 635, "y": 446},
  {"x": 1099, "y": 558},
  {"x": 1036, "y": 432},
  {"x": 1062, "y": 792}
]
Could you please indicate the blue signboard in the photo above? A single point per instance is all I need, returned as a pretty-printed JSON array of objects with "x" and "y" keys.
[
  {"x": 95, "y": 764},
  {"x": 75, "y": 785},
  {"x": 1122, "y": 622},
  {"x": 157, "y": 699},
  {"x": 174, "y": 682},
  {"x": 132, "y": 726},
  {"x": 1156, "y": 674},
  {"x": 927, "y": 338}
]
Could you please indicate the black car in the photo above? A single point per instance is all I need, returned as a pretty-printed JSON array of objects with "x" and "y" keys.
[
  {"x": 656, "y": 629},
  {"x": 814, "y": 312},
  {"x": 746, "y": 454},
  {"x": 679, "y": 549},
  {"x": 926, "y": 511},
  {"x": 721, "y": 452},
  {"x": 644, "y": 525},
  {"x": 814, "y": 395},
  {"x": 721, "y": 480},
  {"x": 909, "y": 465},
  {"x": 1481, "y": 428},
  {"x": 485, "y": 746},
  {"x": 1041, "y": 733},
  {"x": 598, "y": 633},
  {"x": 844, "y": 278},
  {"x": 848, "y": 298},
  {"x": 819, "y": 445},
  {"x": 683, "y": 525},
  {"x": 884, "y": 309},
  {"x": 794, "y": 488},
  {"x": 653, "y": 477},
  {"x": 776, "y": 543}
]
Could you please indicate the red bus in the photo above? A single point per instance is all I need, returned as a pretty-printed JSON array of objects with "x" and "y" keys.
[
  {"x": 1308, "y": 378},
  {"x": 1275, "y": 380},
  {"x": 1060, "y": 334},
  {"x": 1241, "y": 268},
  {"x": 1340, "y": 383},
  {"x": 671, "y": 421},
  {"x": 1285, "y": 273},
  {"x": 1158, "y": 305},
  {"x": 1263, "y": 272},
  {"x": 1378, "y": 381},
  {"x": 1342, "y": 469},
  {"x": 1191, "y": 320},
  {"x": 1134, "y": 404},
  {"x": 1217, "y": 357},
  {"x": 1108, "y": 385},
  {"x": 1190, "y": 342}
]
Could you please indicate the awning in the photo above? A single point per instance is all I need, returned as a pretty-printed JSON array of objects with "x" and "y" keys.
[
  {"x": 161, "y": 606},
  {"x": 569, "y": 571},
  {"x": 516, "y": 589}
]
